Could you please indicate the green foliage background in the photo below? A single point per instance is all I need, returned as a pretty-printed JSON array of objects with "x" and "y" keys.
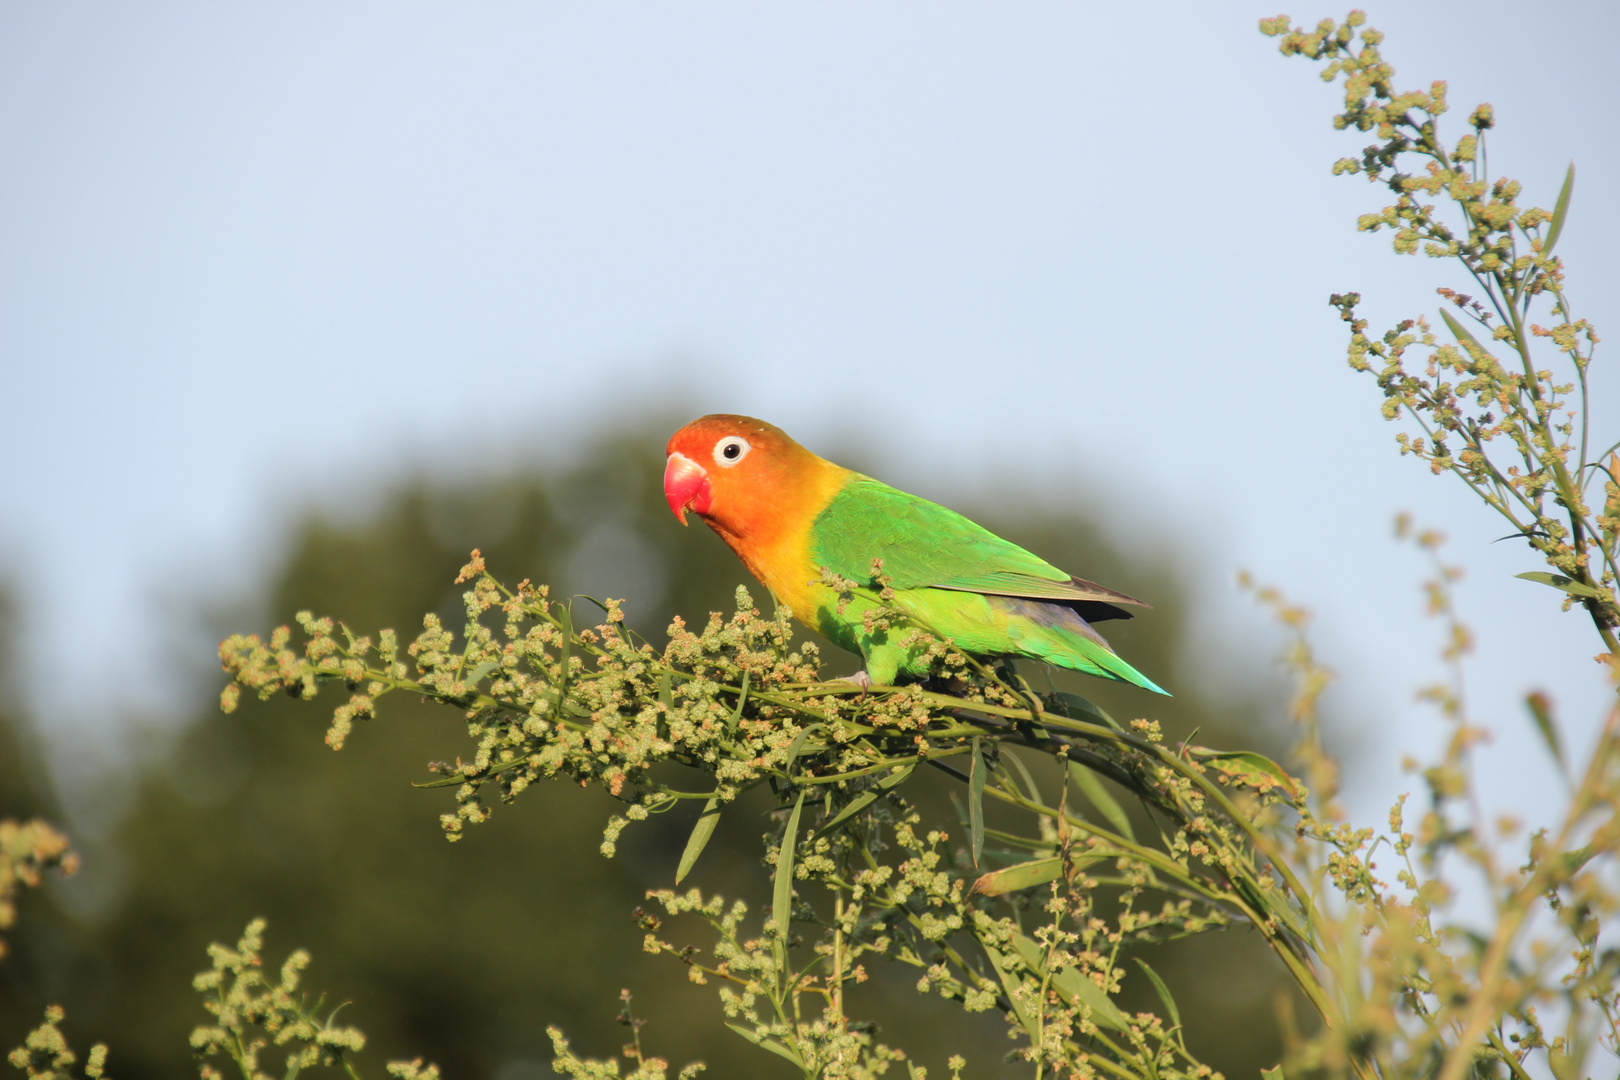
[{"x": 463, "y": 954}]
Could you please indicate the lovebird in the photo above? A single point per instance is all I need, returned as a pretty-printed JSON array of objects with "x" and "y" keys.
[{"x": 791, "y": 515}]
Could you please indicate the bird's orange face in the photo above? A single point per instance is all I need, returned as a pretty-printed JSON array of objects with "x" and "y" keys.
[
  {"x": 760, "y": 491},
  {"x": 732, "y": 471}
]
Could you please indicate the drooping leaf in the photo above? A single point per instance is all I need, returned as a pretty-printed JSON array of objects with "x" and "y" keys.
[
  {"x": 1567, "y": 1065},
  {"x": 1162, "y": 990},
  {"x": 1273, "y": 1073},
  {"x": 798, "y": 747},
  {"x": 1460, "y": 332},
  {"x": 1075, "y": 987},
  {"x": 976, "y": 800},
  {"x": 1562, "y": 583},
  {"x": 1009, "y": 983},
  {"x": 476, "y": 675},
  {"x": 1541, "y": 712},
  {"x": 767, "y": 1043},
  {"x": 1249, "y": 769},
  {"x": 867, "y": 798},
  {"x": 1091, "y": 786},
  {"x": 1076, "y": 707},
  {"x": 457, "y": 779},
  {"x": 1022, "y": 875},
  {"x": 782, "y": 898},
  {"x": 448, "y": 781},
  {"x": 565, "y": 615},
  {"x": 1572, "y": 861},
  {"x": 1027, "y": 875},
  {"x": 1030, "y": 788},
  {"x": 742, "y": 699},
  {"x": 700, "y": 836},
  {"x": 1555, "y": 228}
]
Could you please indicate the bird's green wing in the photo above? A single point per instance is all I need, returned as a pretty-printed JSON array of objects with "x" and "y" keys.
[{"x": 924, "y": 545}]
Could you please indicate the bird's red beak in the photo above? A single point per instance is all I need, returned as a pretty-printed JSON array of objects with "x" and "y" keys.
[{"x": 686, "y": 486}]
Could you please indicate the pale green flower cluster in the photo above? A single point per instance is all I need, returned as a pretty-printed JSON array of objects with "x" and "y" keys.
[
  {"x": 250, "y": 1013},
  {"x": 45, "y": 1055},
  {"x": 741, "y": 702},
  {"x": 1508, "y": 425},
  {"x": 27, "y": 850}
]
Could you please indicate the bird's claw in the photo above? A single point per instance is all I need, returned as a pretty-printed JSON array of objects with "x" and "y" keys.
[{"x": 860, "y": 679}]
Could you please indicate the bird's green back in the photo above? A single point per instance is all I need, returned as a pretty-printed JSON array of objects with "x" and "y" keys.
[
  {"x": 925, "y": 545},
  {"x": 958, "y": 579}
]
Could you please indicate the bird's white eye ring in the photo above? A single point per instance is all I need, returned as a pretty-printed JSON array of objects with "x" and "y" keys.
[{"x": 730, "y": 450}]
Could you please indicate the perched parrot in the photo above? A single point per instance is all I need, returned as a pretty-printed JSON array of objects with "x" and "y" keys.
[{"x": 789, "y": 515}]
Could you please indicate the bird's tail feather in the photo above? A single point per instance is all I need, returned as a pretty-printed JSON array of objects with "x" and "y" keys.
[
  {"x": 1058, "y": 634},
  {"x": 1086, "y": 655}
]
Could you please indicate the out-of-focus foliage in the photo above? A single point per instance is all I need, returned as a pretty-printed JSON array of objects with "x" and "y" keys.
[
  {"x": 46, "y": 1055},
  {"x": 251, "y": 1018},
  {"x": 465, "y": 953},
  {"x": 27, "y": 850},
  {"x": 29, "y": 845}
]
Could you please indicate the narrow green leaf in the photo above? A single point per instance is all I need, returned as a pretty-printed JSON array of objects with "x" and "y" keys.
[
  {"x": 1010, "y": 984},
  {"x": 666, "y": 693},
  {"x": 767, "y": 1043},
  {"x": 1162, "y": 990},
  {"x": 1076, "y": 707},
  {"x": 1030, "y": 789},
  {"x": 1091, "y": 786},
  {"x": 1074, "y": 986},
  {"x": 461, "y": 778},
  {"x": 700, "y": 836},
  {"x": 565, "y": 615},
  {"x": 1555, "y": 228},
  {"x": 1249, "y": 769},
  {"x": 1022, "y": 875},
  {"x": 473, "y": 677},
  {"x": 1273, "y": 1073},
  {"x": 1541, "y": 712},
  {"x": 976, "y": 800},
  {"x": 782, "y": 900},
  {"x": 1572, "y": 861},
  {"x": 1460, "y": 332},
  {"x": 1027, "y": 875},
  {"x": 798, "y": 745},
  {"x": 866, "y": 798},
  {"x": 742, "y": 698},
  {"x": 1562, "y": 583},
  {"x": 448, "y": 781}
]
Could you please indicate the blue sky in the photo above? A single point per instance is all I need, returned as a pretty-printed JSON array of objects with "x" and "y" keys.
[{"x": 256, "y": 256}]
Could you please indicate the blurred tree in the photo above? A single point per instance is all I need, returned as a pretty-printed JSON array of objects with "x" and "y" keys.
[{"x": 463, "y": 953}]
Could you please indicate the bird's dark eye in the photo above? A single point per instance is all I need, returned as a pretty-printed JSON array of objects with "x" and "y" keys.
[{"x": 730, "y": 450}]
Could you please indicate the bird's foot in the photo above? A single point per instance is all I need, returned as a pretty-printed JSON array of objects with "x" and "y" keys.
[{"x": 860, "y": 679}]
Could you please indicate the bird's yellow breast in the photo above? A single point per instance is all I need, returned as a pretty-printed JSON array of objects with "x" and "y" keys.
[{"x": 777, "y": 540}]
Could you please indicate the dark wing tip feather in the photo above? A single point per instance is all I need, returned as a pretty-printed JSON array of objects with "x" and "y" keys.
[
  {"x": 1093, "y": 602},
  {"x": 1095, "y": 610},
  {"x": 1103, "y": 593}
]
